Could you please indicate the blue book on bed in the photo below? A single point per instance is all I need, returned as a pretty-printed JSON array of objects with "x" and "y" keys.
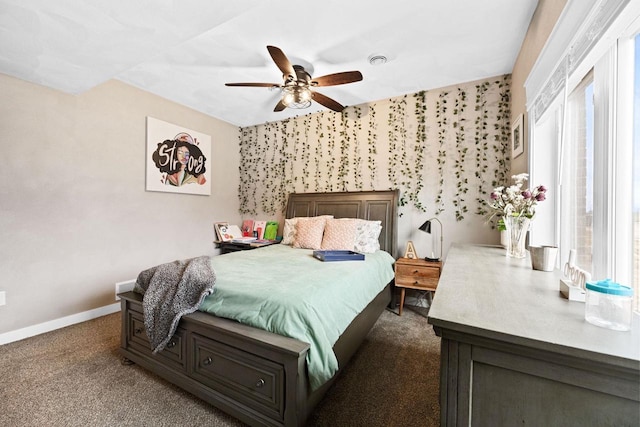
[{"x": 338, "y": 256}]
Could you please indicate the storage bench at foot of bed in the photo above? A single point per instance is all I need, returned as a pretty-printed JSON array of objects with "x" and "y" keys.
[
  {"x": 256, "y": 376},
  {"x": 251, "y": 356}
]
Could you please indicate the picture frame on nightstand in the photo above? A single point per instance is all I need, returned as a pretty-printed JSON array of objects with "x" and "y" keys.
[{"x": 219, "y": 227}]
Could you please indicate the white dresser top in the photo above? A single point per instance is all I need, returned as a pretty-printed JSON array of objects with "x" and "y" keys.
[{"x": 484, "y": 293}]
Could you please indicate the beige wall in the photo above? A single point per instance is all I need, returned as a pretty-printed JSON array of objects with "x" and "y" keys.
[
  {"x": 74, "y": 214},
  {"x": 542, "y": 23}
]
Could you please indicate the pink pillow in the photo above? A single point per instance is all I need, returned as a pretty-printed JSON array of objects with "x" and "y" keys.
[
  {"x": 309, "y": 233},
  {"x": 340, "y": 234},
  {"x": 289, "y": 231}
]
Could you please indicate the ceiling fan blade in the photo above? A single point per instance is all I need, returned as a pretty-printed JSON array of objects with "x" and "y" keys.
[
  {"x": 253, "y": 84},
  {"x": 281, "y": 61},
  {"x": 337, "y": 78},
  {"x": 327, "y": 102},
  {"x": 280, "y": 106}
]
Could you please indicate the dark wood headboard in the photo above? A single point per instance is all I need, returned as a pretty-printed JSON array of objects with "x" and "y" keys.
[{"x": 370, "y": 205}]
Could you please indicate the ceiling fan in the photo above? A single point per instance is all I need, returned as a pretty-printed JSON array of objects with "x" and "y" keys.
[{"x": 297, "y": 84}]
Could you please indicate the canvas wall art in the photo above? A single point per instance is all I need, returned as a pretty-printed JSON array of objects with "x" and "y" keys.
[
  {"x": 178, "y": 159},
  {"x": 517, "y": 137}
]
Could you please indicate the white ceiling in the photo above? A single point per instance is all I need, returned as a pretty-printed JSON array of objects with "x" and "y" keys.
[{"x": 185, "y": 50}]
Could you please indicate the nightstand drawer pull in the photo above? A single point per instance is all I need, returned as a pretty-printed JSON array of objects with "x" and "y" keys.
[
  {"x": 138, "y": 331},
  {"x": 416, "y": 271},
  {"x": 207, "y": 361},
  {"x": 260, "y": 383},
  {"x": 171, "y": 344}
]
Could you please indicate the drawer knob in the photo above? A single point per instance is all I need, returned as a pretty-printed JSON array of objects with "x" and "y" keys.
[
  {"x": 260, "y": 383},
  {"x": 415, "y": 283},
  {"x": 415, "y": 271},
  {"x": 138, "y": 331},
  {"x": 171, "y": 344},
  {"x": 207, "y": 361}
]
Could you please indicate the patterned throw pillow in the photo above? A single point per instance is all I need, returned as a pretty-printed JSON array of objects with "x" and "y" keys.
[
  {"x": 367, "y": 236},
  {"x": 289, "y": 230},
  {"x": 340, "y": 234},
  {"x": 309, "y": 232}
]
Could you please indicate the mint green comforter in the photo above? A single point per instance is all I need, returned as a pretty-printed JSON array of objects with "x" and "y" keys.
[{"x": 286, "y": 291}]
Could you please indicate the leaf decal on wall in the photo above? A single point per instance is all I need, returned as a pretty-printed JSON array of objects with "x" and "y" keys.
[{"x": 442, "y": 150}]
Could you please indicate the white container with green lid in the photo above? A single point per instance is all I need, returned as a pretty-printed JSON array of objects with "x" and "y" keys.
[{"x": 608, "y": 304}]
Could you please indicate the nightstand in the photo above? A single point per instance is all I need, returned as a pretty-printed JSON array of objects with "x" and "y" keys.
[{"x": 416, "y": 274}]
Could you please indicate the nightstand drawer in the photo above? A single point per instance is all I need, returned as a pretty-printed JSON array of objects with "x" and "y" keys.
[{"x": 411, "y": 275}]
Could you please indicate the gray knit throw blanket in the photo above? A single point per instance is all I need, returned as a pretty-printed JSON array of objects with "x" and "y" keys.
[{"x": 170, "y": 291}]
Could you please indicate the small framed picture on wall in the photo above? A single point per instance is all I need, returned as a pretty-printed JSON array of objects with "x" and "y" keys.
[{"x": 517, "y": 137}]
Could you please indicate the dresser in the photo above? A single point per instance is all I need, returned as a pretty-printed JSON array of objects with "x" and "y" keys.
[{"x": 513, "y": 352}]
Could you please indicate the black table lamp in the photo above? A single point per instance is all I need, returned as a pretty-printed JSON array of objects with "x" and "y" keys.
[{"x": 426, "y": 227}]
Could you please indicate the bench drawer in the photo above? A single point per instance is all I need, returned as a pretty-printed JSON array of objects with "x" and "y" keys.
[
  {"x": 173, "y": 353},
  {"x": 248, "y": 378}
]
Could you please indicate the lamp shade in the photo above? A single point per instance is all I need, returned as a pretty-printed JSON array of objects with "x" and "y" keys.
[{"x": 426, "y": 227}]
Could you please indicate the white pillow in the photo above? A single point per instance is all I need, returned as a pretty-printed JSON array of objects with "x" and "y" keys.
[
  {"x": 367, "y": 236},
  {"x": 289, "y": 230}
]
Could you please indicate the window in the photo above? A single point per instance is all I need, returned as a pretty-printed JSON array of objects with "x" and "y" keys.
[
  {"x": 636, "y": 172},
  {"x": 591, "y": 116},
  {"x": 576, "y": 206}
]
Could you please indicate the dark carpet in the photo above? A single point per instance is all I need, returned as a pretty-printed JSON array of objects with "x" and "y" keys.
[{"x": 74, "y": 377}]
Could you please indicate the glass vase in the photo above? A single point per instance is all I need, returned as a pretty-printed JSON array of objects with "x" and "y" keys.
[{"x": 517, "y": 227}]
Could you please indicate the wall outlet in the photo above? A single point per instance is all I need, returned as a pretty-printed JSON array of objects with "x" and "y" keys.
[
  {"x": 125, "y": 286},
  {"x": 3, "y": 298}
]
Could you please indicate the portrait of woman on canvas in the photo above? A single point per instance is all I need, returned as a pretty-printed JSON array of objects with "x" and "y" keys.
[{"x": 181, "y": 161}]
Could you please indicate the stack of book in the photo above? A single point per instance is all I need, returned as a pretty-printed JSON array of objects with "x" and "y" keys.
[
  {"x": 244, "y": 239},
  {"x": 250, "y": 231}
]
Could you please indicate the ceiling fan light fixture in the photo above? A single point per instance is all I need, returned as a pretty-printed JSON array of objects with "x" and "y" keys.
[
  {"x": 297, "y": 84},
  {"x": 296, "y": 96}
]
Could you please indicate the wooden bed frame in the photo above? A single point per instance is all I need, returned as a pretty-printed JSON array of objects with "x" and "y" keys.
[{"x": 257, "y": 376}]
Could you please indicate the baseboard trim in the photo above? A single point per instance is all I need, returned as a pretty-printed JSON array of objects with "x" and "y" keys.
[{"x": 52, "y": 325}]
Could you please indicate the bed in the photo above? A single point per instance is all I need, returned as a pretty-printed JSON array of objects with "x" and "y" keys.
[{"x": 258, "y": 376}]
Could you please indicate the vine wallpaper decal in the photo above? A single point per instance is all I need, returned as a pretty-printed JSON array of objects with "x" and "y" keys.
[{"x": 444, "y": 149}]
